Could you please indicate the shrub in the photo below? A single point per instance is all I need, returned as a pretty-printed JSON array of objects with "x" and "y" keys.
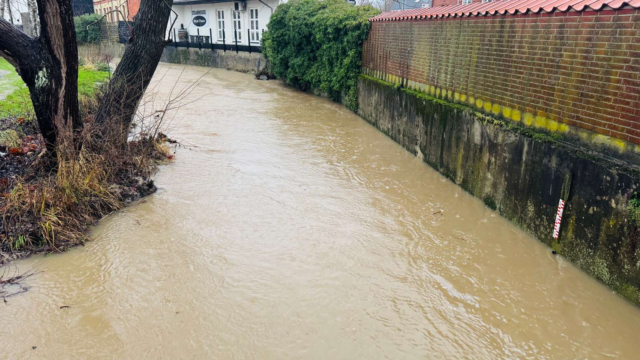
[
  {"x": 103, "y": 66},
  {"x": 90, "y": 36},
  {"x": 317, "y": 45},
  {"x": 45, "y": 210}
]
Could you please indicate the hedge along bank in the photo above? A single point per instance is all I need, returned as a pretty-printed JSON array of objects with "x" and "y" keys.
[
  {"x": 317, "y": 46},
  {"x": 522, "y": 110}
]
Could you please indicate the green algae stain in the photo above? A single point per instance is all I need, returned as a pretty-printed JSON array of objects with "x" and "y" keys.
[
  {"x": 631, "y": 293},
  {"x": 468, "y": 170},
  {"x": 633, "y": 211}
]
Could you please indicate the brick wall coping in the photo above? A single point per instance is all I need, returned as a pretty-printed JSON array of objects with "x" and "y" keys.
[{"x": 511, "y": 7}]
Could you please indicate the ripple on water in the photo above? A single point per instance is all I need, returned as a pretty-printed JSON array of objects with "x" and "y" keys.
[{"x": 288, "y": 228}]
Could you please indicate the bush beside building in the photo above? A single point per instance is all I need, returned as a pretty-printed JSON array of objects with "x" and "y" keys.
[{"x": 317, "y": 46}]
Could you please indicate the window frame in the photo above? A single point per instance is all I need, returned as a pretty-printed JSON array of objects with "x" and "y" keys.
[
  {"x": 254, "y": 22},
  {"x": 220, "y": 23},
  {"x": 236, "y": 17}
]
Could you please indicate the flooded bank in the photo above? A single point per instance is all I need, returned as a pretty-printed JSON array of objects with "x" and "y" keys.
[{"x": 289, "y": 228}]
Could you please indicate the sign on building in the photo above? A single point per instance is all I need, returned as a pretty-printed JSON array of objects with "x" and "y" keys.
[{"x": 199, "y": 17}]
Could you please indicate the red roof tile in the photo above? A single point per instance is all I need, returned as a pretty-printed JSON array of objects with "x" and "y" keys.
[{"x": 506, "y": 7}]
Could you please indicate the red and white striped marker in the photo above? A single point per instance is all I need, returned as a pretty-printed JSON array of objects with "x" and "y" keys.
[{"x": 556, "y": 228}]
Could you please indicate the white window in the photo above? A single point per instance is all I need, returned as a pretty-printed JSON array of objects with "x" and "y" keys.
[
  {"x": 255, "y": 28},
  {"x": 487, "y": 1},
  {"x": 466, "y": 2},
  {"x": 237, "y": 25},
  {"x": 221, "y": 25}
]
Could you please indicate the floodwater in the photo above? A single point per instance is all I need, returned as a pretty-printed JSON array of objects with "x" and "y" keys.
[{"x": 288, "y": 228}]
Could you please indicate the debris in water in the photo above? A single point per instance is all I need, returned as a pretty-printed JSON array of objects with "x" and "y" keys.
[
  {"x": 10, "y": 284},
  {"x": 163, "y": 137}
]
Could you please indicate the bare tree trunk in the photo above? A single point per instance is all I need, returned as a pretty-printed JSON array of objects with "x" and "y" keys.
[
  {"x": 49, "y": 67},
  {"x": 58, "y": 39},
  {"x": 138, "y": 64},
  {"x": 2, "y": 6},
  {"x": 33, "y": 17}
]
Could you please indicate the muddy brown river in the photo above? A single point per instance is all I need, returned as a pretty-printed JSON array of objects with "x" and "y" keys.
[{"x": 289, "y": 228}]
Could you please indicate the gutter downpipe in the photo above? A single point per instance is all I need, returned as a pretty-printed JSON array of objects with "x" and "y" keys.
[{"x": 267, "y": 5}]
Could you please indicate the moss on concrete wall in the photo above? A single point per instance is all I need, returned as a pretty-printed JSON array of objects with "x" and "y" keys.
[{"x": 522, "y": 174}]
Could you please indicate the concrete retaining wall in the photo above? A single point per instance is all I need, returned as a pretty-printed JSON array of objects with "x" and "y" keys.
[
  {"x": 230, "y": 60},
  {"x": 106, "y": 51},
  {"x": 522, "y": 174}
]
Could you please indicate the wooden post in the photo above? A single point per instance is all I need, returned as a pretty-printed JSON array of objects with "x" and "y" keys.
[{"x": 235, "y": 35}]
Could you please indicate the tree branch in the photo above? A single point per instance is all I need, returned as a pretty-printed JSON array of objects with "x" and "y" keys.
[
  {"x": 15, "y": 46},
  {"x": 139, "y": 62}
]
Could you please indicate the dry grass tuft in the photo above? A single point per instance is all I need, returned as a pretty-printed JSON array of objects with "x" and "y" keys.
[{"x": 48, "y": 208}]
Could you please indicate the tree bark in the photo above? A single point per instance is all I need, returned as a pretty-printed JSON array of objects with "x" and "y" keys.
[
  {"x": 2, "y": 5},
  {"x": 33, "y": 17},
  {"x": 58, "y": 40},
  {"x": 49, "y": 67},
  {"x": 139, "y": 62}
]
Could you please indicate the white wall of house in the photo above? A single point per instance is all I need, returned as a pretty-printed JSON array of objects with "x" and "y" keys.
[
  {"x": 223, "y": 16},
  {"x": 17, "y": 7}
]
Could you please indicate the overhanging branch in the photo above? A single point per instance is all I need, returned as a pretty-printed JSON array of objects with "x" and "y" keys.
[{"x": 15, "y": 46}]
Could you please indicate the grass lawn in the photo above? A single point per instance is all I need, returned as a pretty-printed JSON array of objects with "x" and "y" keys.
[{"x": 17, "y": 102}]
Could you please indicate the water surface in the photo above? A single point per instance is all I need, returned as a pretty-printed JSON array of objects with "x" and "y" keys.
[{"x": 288, "y": 228}]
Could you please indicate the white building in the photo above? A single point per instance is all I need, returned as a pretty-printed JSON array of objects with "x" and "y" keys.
[{"x": 217, "y": 21}]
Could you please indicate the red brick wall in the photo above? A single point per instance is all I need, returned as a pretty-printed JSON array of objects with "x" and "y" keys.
[
  {"x": 545, "y": 70},
  {"x": 133, "y": 6}
]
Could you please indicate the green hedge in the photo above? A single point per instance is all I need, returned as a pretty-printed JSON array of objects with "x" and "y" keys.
[
  {"x": 317, "y": 45},
  {"x": 92, "y": 36}
]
